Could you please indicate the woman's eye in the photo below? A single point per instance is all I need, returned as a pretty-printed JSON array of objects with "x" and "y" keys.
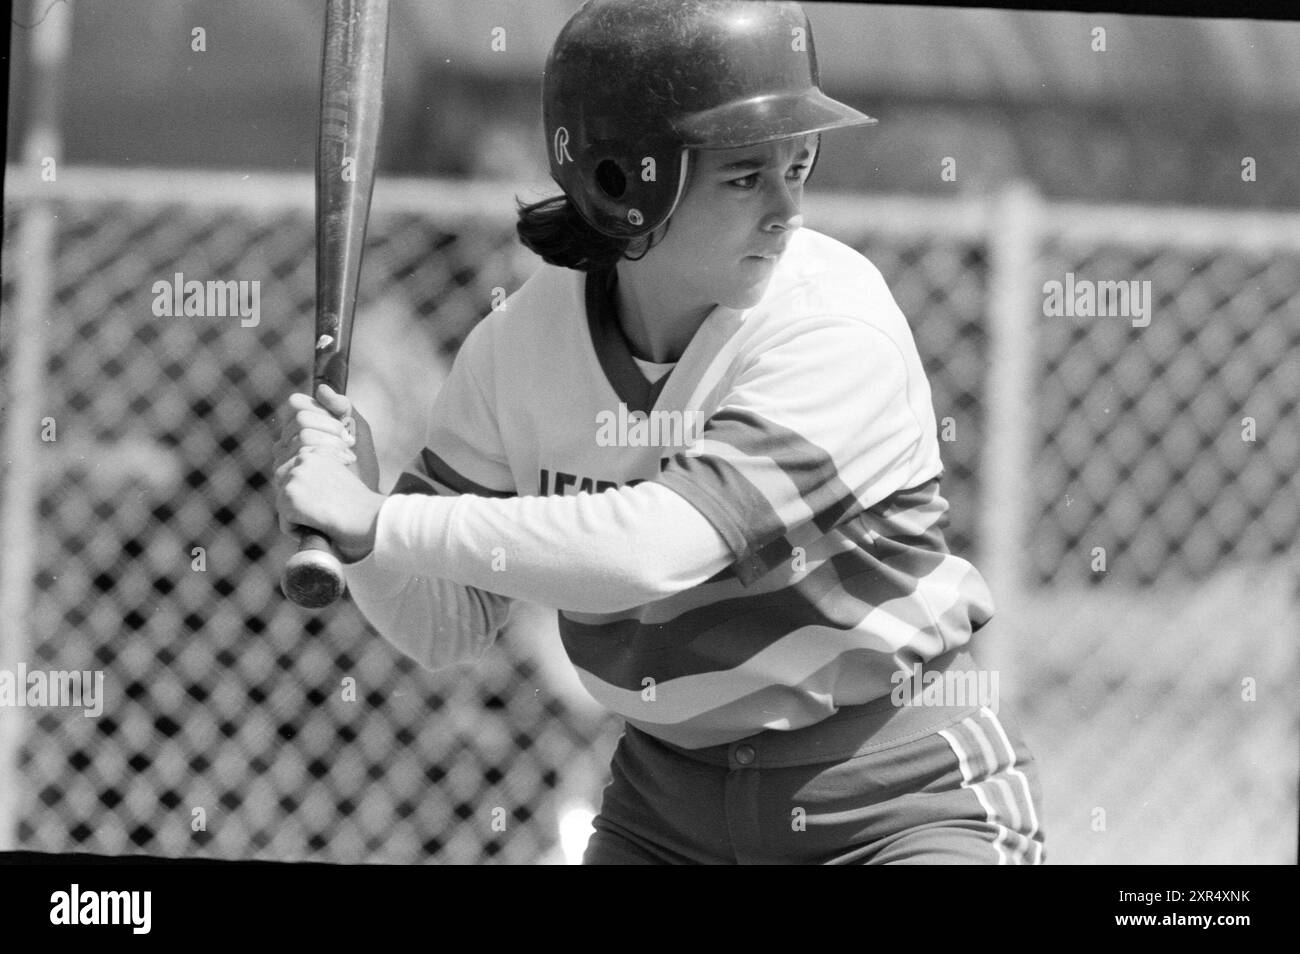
[{"x": 750, "y": 181}]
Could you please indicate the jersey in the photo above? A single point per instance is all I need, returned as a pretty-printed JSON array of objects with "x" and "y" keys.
[{"x": 801, "y": 428}]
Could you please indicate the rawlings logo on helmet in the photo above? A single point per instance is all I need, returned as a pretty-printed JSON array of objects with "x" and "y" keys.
[{"x": 562, "y": 146}]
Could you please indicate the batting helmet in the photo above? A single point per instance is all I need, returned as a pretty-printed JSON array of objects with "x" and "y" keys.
[{"x": 631, "y": 85}]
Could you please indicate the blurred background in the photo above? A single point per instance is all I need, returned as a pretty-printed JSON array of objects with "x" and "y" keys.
[{"x": 1155, "y": 682}]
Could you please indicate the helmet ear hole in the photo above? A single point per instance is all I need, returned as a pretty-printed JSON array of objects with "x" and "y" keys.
[{"x": 611, "y": 179}]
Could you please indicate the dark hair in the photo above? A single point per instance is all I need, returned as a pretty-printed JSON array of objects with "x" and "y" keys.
[{"x": 554, "y": 229}]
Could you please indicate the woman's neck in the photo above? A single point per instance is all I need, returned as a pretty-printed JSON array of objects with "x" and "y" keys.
[{"x": 658, "y": 328}]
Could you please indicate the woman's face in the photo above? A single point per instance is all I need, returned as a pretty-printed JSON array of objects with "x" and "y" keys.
[{"x": 734, "y": 221}]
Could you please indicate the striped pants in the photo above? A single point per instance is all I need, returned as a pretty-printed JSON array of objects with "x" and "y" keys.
[{"x": 873, "y": 784}]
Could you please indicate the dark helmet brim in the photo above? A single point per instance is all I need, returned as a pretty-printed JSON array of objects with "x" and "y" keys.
[{"x": 768, "y": 118}]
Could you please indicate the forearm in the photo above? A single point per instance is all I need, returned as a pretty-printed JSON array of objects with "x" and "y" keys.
[
  {"x": 594, "y": 553},
  {"x": 436, "y": 622}
]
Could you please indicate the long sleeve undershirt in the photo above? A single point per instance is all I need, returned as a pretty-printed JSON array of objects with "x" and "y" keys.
[{"x": 590, "y": 553}]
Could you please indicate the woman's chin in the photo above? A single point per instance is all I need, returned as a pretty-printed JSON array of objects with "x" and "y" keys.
[{"x": 747, "y": 296}]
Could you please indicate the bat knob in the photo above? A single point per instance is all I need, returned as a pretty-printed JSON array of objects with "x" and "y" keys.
[{"x": 313, "y": 578}]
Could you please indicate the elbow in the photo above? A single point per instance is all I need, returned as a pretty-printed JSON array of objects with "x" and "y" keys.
[
  {"x": 441, "y": 625},
  {"x": 439, "y": 661},
  {"x": 466, "y": 637},
  {"x": 453, "y": 646}
]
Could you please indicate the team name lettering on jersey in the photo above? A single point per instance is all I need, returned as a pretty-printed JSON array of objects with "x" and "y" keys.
[{"x": 560, "y": 482}]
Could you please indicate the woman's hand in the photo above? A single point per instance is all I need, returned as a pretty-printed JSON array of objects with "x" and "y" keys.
[
  {"x": 331, "y": 421},
  {"x": 326, "y": 472}
]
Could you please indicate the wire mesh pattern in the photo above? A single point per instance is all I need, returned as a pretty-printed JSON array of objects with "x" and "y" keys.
[
  {"x": 941, "y": 287},
  {"x": 221, "y": 695},
  {"x": 1146, "y": 436},
  {"x": 306, "y": 736}
]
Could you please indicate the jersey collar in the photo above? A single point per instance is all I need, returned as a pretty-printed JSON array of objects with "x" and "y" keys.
[{"x": 613, "y": 349}]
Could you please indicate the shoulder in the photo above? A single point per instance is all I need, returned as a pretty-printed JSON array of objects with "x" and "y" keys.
[
  {"x": 823, "y": 282},
  {"x": 812, "y": 251},
  {"x": 531, "y": 318}
]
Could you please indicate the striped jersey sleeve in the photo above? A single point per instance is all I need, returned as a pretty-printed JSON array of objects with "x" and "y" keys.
[{"x": 822, "y": 423}]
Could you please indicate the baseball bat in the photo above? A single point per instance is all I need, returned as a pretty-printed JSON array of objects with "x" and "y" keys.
[{"x": 352, "y": 80}]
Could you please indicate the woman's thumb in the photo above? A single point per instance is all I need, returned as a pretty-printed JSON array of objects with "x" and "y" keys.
[{"x": 337, "y": 404}]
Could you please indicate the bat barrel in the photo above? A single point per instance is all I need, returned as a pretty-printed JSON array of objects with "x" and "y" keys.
[{"x": 352, "y": 68}]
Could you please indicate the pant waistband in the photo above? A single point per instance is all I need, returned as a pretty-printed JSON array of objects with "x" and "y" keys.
[{"x": 852, "y": 730}]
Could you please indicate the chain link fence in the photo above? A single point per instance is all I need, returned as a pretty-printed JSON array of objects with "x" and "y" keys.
[{"x": 1140, "y": 532}]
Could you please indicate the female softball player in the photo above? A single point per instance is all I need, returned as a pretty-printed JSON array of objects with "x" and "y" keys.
[{"x": 703, "y": 433}]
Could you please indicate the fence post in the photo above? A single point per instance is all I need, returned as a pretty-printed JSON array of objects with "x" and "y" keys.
[
  {"x": 32, "y": 261},
  {"x": 1007, "y": 455}
]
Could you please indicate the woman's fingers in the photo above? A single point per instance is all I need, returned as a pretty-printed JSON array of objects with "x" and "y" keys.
[
  {"x": 289, "y": 445},
  {"x": 283, "y": 468},
  {"x": 307, "y": 413},
  {"x": 337, "y": 404},
  {"x": 317, "y": 419}
]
